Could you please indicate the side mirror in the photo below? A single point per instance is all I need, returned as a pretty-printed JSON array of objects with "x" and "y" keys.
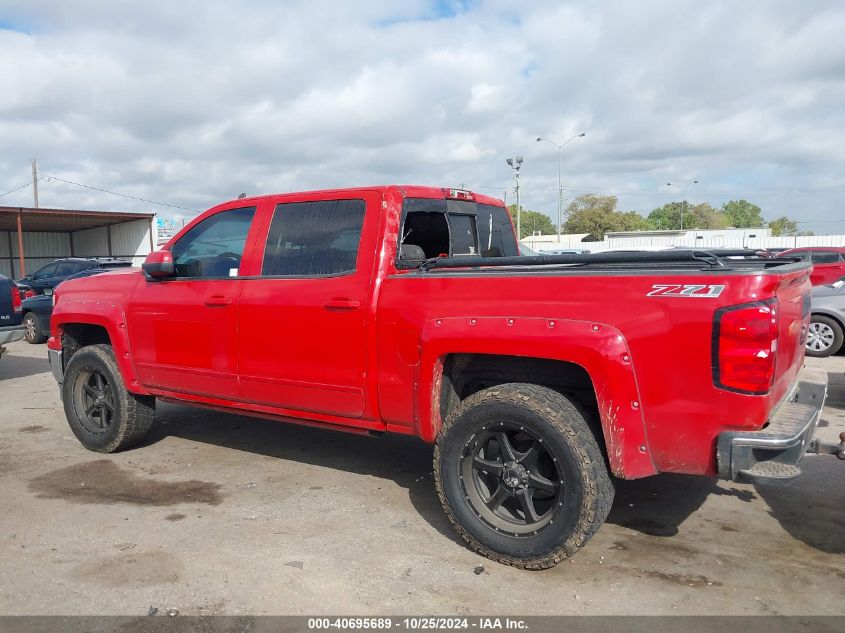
[{"x": 159, "y": 264}]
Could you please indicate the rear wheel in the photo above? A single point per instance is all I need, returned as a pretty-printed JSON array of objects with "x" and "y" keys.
[
  {"x": 824, "y": 336},
  {"x": 32, "y": 329},
  {"x": 521, "y": 476},
  {"x": 103, "y": 415}
]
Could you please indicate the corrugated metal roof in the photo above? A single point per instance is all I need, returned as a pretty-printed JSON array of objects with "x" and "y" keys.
[{"x": 62, "y": 220}]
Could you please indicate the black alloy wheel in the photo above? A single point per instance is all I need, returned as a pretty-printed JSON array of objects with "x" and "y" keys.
[
  {"x": 511, "y": 479},
  {"x": 93, "y": 400}
]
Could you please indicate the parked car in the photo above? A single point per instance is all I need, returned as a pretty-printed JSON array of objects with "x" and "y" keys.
[
  {"x": 570, "y": 251},
  {"x": 828, "y": 262},
  {"x": 361, "y": 310},
  {"x": 43, "y": 280},
  {"x": 36, "y": 310},
  {"x": 827, "y": 323},
  {"x": 11, "y": 329}
]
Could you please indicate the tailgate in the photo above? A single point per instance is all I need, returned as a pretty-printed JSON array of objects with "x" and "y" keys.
[
  {"x": 7, "y": 313},
  {"x": 793, "y": 294}
]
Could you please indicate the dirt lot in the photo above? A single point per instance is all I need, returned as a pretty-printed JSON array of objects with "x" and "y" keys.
[{"x": 225, "y": 514}]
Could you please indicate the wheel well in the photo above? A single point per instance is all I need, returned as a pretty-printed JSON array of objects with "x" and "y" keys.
[
  {"x": 831, "y": 317},
  {"x": 78, "y": 335},
  {"x": 466, "y": 374}
]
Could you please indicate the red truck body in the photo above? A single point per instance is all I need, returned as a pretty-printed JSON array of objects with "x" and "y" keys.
[
  {"x": 678, "y": 364},
  {"x": 369, "y": 350}
]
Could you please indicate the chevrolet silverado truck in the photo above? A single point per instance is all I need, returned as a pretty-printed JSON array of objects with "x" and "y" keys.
[{"x": 406, "y": 309}]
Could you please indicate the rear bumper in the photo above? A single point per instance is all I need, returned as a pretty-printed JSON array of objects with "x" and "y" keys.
[{"x": 776, "y": 450}]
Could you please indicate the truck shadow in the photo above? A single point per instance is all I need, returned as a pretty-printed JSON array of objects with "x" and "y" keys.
[
  {"x": 14, "y": 366},
  {"x": 810, "y": 506},
  {"x": 658, "y": 505},
  {"x": 835, "y": 390},
  {"x": 654, "y": 506}
]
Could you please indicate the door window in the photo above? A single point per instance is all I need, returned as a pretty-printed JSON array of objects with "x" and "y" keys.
[
  {"x": 825, "y": 257},
  {"x": 47, "y": 271},
  {"x": 215, "y": 246},
  {"x": 65, "y": 269},
  {"x": 314, "y": 239}
]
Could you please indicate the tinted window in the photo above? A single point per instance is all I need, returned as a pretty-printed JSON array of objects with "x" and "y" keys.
[
  {"x": 495, "y": 232},
  {"x": 215, "y": 246},
  {"x": 825, "y": 257},
  {"x": 474, "y": 228},
  {"x": 47, "y": 271},
  {"x": 65, "y": 269},
  {"x": 464, "y": 240},
  {"x": 309, "y": 239}
]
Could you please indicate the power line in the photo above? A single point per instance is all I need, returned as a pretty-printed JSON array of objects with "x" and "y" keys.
[
  {"x": 114, "y": 193},
  {"x": 29, "y": 184}
]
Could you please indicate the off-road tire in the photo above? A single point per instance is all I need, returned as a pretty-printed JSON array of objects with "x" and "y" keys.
[
  {"x": 588, "y": 489},
  {"x": 133, "y": 414},
  {"x": 32, "y": 329}
]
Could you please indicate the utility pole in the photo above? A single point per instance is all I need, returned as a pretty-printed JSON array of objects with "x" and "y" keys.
[
  {"x": 34, "y": 183},
  {"x": 515, "y": 163}
]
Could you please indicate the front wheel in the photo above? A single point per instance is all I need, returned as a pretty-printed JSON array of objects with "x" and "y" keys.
[
  {"x": 521, "y": 475},
  {"x": 103, "y": 415},
  {"x": 824, "y": 337}
]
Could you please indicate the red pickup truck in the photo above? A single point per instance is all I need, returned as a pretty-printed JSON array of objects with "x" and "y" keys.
[{"x": 407, "y": 309}]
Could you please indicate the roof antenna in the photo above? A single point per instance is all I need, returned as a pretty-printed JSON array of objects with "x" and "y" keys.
[{"x": 243, "y": 195}]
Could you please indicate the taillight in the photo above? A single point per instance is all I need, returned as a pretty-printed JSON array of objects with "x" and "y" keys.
[
  {"x": 745, "y": 341},
  {"x": 16, "y": 298}
]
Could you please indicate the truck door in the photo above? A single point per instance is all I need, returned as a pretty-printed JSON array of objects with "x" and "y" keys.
[
  {"x": 183, "y": 329},
  {"x": 303, "y": 320}
]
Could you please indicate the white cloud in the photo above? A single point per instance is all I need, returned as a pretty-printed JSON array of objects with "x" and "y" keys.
[{"x": 193, "y": 102}]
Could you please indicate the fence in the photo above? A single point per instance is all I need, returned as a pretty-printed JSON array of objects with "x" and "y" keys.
[{"x": 542, "y": 243}]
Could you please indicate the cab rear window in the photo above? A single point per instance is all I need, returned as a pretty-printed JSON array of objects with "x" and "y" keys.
[{"x": 437, "y": 227}]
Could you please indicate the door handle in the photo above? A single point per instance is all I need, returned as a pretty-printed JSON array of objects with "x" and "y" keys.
[
  {"x": 342, "y": 304},
  {"x": 218, "y": 301}
]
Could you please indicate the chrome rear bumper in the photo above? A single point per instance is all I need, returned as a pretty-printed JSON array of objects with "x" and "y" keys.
[{"x": 775, "y": 450}]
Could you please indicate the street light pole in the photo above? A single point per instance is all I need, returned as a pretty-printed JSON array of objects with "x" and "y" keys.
[
  {"x": 684, "y": 203},
  {"x": 559, "y": 147},
  {"x": 515, "y": 163}
]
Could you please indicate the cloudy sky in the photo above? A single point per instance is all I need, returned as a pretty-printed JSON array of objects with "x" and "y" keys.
[{"x": 190, "y": 103}]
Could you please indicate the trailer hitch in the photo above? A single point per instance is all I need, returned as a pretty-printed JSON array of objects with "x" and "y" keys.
[{"x": 828, "y": 448}]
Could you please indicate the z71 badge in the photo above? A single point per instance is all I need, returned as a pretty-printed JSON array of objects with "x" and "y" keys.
[{"x": 697, "y": 291}]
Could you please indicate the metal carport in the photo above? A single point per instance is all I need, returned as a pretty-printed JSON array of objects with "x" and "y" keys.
[{"x": 30, "y": 238}]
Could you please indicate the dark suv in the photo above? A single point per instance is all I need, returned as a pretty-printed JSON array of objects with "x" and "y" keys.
[{"x": 43, "y": 280}]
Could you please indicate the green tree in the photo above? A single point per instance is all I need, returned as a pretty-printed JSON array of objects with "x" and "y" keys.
[
  {"x": 677, "y": 215},
  {"x": 743, "y": 214},
  {"x": 785, "y": 226},
  {"x": 591, "y": 214},
  {"x": 531, "y": 222},
  {"x": 597, "y": 215},
  {"x": 631, "y": 221}
]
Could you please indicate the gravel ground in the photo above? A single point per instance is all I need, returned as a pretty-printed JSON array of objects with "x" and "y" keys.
[{"x": 223, "y": 514}]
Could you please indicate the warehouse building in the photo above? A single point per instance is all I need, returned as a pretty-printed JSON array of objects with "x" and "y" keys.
[{"x": 31, "y": 238}]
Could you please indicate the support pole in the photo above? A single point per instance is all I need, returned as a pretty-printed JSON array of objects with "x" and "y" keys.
[
  {"x": 34, "y": 183},
  {"x": 21, "y": 259}
]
